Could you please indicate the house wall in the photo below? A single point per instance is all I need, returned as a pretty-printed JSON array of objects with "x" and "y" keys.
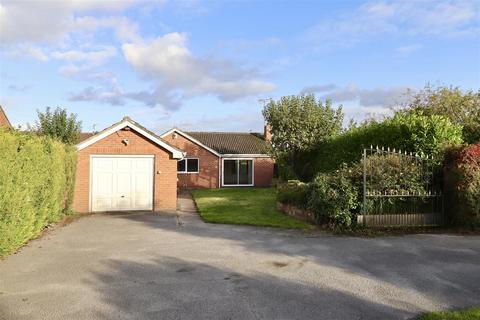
[
  {"x": 207, "y": 177},
  {"x": 165, "y": 182},
  {"x": 263, "y": 172},
  {"x": 4, "y": 120}
]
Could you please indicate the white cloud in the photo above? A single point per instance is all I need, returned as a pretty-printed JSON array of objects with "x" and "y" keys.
[
  {"x": 112, "y": 95},
  {"x": 169, "y": 62},
  {"x": 44, "y": 21},
  {"x": 27, "y": 51},
  {"x": 410, "y": 18},
  {"x": 125, "y": 30},
  {"x": 240, "y": 121},
  {"x": 85, "y": 65},
  {"x": 73, "y": 31},
  {"x": 157, "y": 98},
  {"x": 94, "y": 57},
  {"x": 367, "y": 98}
]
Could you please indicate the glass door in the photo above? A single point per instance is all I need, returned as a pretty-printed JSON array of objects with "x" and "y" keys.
[{"x": 237, "y": 172}]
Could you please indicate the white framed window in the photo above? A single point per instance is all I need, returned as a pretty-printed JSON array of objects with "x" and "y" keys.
[
  {"x": 188, "y": 165},
  {"x": 237, "y": 172}
]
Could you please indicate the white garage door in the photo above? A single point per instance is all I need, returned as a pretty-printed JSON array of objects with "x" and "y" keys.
[{"x": 122, "y": 183}]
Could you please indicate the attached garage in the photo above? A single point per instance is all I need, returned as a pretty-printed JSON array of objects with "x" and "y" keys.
[{"x": 124, "y": 168}]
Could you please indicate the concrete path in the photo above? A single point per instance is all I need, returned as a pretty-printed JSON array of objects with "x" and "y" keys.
[{"x": 167, "y": 266}]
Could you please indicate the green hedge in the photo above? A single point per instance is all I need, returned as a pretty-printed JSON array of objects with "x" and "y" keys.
[
  {"x": 336, "y": 197},
  {"x": 411, "y": 132},
  {"x": 333, "y": 199},
  {"x": 462, "y": 185},
  {"x": 36, "y": 185}
]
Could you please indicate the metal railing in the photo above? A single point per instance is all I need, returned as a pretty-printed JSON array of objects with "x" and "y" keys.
[{"x": 400, "y": 189}]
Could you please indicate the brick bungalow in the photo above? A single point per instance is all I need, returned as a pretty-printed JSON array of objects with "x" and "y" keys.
[
  {"x": 127, "y": 167},
  {"x": 222, "y": 159}
]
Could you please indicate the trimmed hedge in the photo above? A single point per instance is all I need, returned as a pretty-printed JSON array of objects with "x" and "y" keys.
[
  {"x": 462, "y": 185},
  {"x": 412, "y": 132},
  {"x": 36, "y": 185}
]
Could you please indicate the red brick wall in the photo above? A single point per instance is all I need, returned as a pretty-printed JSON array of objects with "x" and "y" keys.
[
  {"x": 208, "y": 164},
  {"x": 165, "y": 185},
  {"x": 263, "y": 171},
  {"x": 3, "y": 119}
]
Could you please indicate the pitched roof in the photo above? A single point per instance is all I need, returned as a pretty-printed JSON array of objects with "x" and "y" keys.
[
  {"x": 85, "y": 135},
  {"x": 127, "y": 122},
  {"x": 232, "y": 142},
  {"x": 3, "y": 119}
]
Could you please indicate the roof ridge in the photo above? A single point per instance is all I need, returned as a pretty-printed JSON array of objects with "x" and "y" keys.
[{"x": 232, "y": 132}]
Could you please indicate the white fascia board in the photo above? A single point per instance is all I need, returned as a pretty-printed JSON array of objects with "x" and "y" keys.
[
  {"x": 177, "y": 154},
  {"x": 247, "y": 155},
  {"x": 186, "y": 136}
]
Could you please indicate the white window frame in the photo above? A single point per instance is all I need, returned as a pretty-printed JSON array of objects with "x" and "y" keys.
[
  {"x": 238, "y": 175},
  {"x": 186, "y": 166}
]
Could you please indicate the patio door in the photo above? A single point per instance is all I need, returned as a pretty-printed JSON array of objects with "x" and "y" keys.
[{"x": 237, "y": 172}]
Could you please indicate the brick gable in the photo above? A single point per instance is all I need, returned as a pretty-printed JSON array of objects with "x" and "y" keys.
[
  {"x": 165, "y": 182},
  {"x": 208, "y": 175}
]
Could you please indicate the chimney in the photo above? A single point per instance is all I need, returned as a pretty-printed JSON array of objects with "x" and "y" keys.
[{"x": 267, "y": 132}]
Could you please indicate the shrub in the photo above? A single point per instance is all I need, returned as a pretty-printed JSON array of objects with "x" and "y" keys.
[
  {"x": 333, "y": 197},
  {"x": 293, "y": 192},
  {"x": 428, "y": 135},
  {"x": 412, "y": 132},
  {"x": 336, "y": 197},
  {"x": 462, "y": 185},
  {"x": 387, "y": 173},
  {"x": 36, "y": 185}
]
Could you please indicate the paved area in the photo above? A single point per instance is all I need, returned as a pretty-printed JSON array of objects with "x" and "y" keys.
[{"x": 151, "y": 266}]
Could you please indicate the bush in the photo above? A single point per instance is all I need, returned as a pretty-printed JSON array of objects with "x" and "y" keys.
[
  {"x": 332, "y": 198},
  {"x": 462, "y": 185},
  {"x": 36, "y": 185},
  {"x": 412, "y": 132},
  {"x": 293, "y": 192},
  {"x": 336, "y": 197}
]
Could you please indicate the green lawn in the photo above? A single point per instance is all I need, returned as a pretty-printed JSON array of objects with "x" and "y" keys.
[
  {"x": 468, "y": 314},
  {"x": 251, "y": 206}
]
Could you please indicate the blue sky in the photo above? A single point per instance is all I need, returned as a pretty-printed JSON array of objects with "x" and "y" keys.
[{"x": 204, "y": 65}]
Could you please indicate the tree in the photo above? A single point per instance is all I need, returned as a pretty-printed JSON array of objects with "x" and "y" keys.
[
  {"x": 298, "y": 123},
  {"x": 59, "y": 125},
  {"x": 461, "y": 107}
]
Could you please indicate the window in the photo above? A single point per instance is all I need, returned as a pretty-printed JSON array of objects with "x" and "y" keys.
[
  {"x": 238, "y": 172},
  {"x": 187, "y": 166}
]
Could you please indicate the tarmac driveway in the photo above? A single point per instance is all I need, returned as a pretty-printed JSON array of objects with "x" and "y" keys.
[{"x": 150, "y": 266}]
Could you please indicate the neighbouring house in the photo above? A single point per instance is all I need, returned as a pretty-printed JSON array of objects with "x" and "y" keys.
[
  {"x": 126, "y": 167},
  {"x": 222, "y": 159},
  {"x": 4, "y": 122}
]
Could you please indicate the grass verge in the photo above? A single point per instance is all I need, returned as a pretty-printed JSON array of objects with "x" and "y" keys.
[
  {"x": 467, "y": 314},
  {"x": 249, "y": 206}
]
